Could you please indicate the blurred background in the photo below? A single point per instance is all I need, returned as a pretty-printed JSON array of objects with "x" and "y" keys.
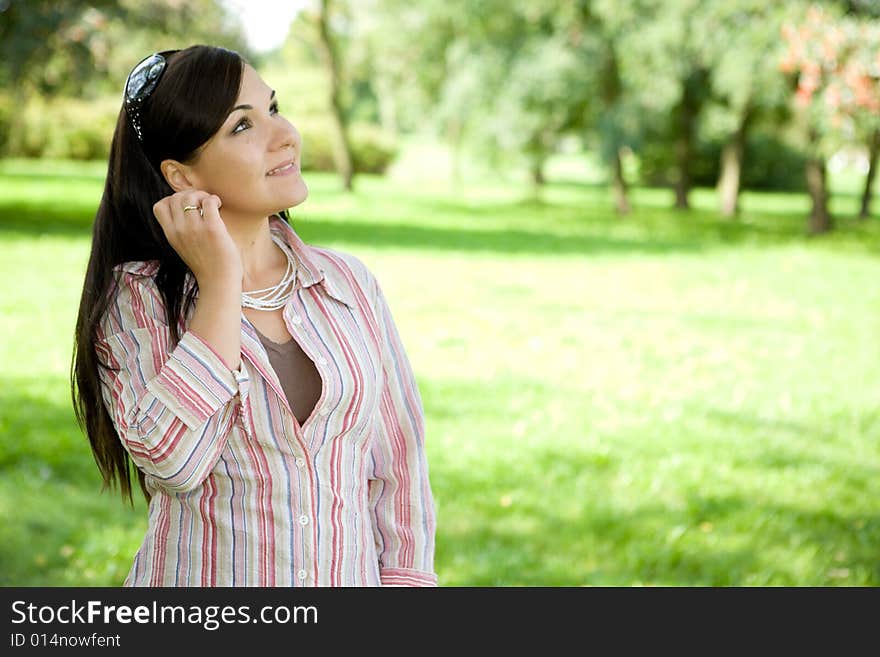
[{"x": 631, "y": 247}]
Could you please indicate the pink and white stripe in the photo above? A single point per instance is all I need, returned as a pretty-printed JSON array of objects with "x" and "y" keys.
[{"x": 242, "y": 494}]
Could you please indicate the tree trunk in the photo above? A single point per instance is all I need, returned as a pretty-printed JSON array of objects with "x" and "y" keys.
[
  {"x": 618, "y": 184},
  {"x": 873, "y": 152},
  {"x": 455, "y": 134},
  {"x": 611, "y": 91},
  {"x": 341, "y": 143},
  {"x": 537, "y": 172},
  {"x": 820, "y": 219},
  {"x": 731, "y": 167},
  {"x": 536, "y": 152},
  {"x": 387, "y": 105},
  {"x": 686, "y": 116}
]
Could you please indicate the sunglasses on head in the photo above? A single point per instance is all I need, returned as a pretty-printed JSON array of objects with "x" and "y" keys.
[{"x": 140, "y": 84}]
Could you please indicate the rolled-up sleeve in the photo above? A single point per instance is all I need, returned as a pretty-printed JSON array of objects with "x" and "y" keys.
[
  {"x": 173, "y": 409},
  {"x": 400, "y": 491}
]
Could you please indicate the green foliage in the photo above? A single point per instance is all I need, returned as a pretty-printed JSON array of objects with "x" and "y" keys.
[
  {"x": 373, "y": 149},
  {"x": 85, "y": 48},
  {"x": 543, "y": 94},
  {"x": 769, "y": 163},
  {"x": 64, "y": 63},
  {"x": 506, "y": 79},
  {"x": 7, "y": 107},
  {"x": 61, "y": 128},
  {"x": 832, "y": 58},
  {"x": 317, "y": 145}
]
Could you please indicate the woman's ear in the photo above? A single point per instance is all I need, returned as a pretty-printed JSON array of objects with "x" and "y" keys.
[{"x": 177, "y": 175}]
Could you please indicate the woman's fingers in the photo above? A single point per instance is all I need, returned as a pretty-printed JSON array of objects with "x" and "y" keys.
[
  {"x": 211, "y": 209},
  {"x": 195, "y": 230},
  {"x": 179, "y": 203},
  {"x": 162, "y": 212}
]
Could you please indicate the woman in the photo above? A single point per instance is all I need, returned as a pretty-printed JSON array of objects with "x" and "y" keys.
[{"x": 257, "y": 384}]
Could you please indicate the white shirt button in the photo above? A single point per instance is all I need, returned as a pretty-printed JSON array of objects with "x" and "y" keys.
[
  {"x": 324, "y": 411},
  {"x": 296, "y": 319},
  {"x": 322, "y": 360},
  {"x": 300, "y": 462},
  {"x": 304, "y": 520},
  {"x": 301, "y": 574}
]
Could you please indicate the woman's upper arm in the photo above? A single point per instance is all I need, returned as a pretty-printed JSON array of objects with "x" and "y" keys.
[{"x": 170, "y": 406}]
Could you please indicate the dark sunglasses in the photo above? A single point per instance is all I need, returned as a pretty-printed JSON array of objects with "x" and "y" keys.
[{"x": 140, "y": 84}]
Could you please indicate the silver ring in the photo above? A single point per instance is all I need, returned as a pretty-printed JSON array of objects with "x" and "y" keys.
[{"x": 187, "y": 208}]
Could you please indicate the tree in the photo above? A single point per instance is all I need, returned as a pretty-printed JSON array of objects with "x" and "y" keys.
[
  {"x": 835, "y": 60},
  {"x": 663, "y": 59},
  {"x": 402, "y": 52},
  {"x": 328, "y": 13},
  {"x": 497, "y": 75},
  {"x": 86, "y": 48},
  {"x": 68, "y": 58},
  {"x": 744, "y": 89},
  {"x": 597, "y": 30}
]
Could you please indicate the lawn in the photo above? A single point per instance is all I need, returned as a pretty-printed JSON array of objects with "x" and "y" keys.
[{"x": 666, "y": 399}]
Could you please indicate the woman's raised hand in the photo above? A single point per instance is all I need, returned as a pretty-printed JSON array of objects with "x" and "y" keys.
[{"x": 193, "y": 226}]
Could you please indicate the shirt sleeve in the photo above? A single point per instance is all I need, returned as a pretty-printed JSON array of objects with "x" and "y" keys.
[
  {"x": 400, "y": 492},
  {"x": 173, "y": 409}
]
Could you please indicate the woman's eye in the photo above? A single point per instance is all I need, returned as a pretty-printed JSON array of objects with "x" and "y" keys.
[
  {"x": 273, "y": 109},
  {"x": 243, "y": 122}
]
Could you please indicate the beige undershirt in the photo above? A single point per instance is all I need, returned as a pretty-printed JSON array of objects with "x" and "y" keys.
[{"x": 297, "y": 373}]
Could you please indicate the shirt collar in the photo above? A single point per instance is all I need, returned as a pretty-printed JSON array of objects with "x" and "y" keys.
[
  {"x": 310, "y": 265},
  {"x": 311, "y": 270}
]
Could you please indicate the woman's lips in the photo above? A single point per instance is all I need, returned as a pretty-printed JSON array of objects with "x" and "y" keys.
[{"x": 285, "y": 170}]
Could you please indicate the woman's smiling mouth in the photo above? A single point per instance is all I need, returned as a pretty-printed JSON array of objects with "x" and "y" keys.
[{"x": 283, "y": 169}]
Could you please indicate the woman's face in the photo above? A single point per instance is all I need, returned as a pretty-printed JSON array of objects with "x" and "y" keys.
[{"x": 247, "y": 163}]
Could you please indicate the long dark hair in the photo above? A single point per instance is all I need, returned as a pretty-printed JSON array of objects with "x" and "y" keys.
[{"x": 192, "y": 100}]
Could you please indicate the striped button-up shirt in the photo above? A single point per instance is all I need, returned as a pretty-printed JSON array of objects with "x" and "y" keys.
[{"x": 242, "y": 495}]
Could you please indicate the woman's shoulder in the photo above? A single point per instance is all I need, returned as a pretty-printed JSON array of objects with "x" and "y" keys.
[
  {"x": 134, "y": 282},
  {"x": 137, "y": 267},
  {"x": 340, "y": 260},
  {"x": 135, "y": 278},
  {"x": 131, "y": 296},
  {"x": 342, "y": 267},
  {"x": 142, "y": 274}
]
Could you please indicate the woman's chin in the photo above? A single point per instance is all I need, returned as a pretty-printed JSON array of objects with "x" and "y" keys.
[
  {"x": 302, "y": 193},
  {"x": 296, "y": 202}
]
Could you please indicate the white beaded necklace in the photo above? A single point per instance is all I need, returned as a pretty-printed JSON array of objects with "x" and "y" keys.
[{"x": 274, "y": 297}]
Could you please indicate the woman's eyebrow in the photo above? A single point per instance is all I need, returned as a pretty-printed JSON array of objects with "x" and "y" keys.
[{"x": 250, "y": 107}]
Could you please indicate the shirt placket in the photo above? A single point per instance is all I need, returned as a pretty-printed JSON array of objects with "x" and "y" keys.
[{"x": 306, "y": 573}]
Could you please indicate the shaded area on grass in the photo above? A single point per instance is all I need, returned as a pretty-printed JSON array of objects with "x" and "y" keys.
[
  {"x": 514, "y": 228},
  {"x": 570, "y": 218}
]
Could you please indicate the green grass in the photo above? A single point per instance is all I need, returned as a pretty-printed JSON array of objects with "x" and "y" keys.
[{"x": 665, "y": 399}]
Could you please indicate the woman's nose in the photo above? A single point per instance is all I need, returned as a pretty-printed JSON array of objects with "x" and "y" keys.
[{"x": 288, "y": 137}]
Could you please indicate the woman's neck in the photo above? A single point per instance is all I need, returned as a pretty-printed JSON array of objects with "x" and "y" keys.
[{"x": 262, "y": 261}]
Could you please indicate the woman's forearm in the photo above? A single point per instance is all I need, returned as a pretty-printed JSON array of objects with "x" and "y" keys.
[{"x": 217, "y": 318}]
